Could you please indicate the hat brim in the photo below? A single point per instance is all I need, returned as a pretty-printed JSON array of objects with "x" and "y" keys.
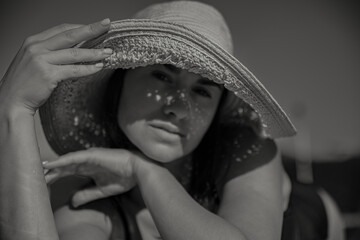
[{"x": 143, "y": 42}]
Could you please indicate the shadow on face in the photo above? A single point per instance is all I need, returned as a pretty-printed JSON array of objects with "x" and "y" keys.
[{"x": 165, "y": 111}]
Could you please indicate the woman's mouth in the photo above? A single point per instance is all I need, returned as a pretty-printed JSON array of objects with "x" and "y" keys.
[{"x": 167, "y": 127}]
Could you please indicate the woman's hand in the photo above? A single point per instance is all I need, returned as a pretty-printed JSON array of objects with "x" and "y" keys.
[
  {"x": 47, "y": 58},
  {"x": 113, "y": 171}
]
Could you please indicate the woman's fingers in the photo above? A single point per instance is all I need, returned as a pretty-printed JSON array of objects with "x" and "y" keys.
[
  {"x": 87, "y": 195},
  {"x": 52, "y": 176},
  {"x": 42, "y": 62},
  {"x": 73, "y": 158},
  {"x": 72, "y": 37},
  {"x": 74, "y": 71},
  {"x": 93, "y": 156},
  {"x": 95, "y": 160},
  {"x": 75, "y": 163},
  {"x": 109, "y": 169},
  {"x": 74, "y": 55},
  {"x": 93, "y": 193},
  {"x": 51, "y": 32}
]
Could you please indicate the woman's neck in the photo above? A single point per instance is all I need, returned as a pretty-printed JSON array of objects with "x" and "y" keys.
[{"x": 177, "y": 167}]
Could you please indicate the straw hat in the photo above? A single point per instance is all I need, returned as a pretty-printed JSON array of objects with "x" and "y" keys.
[{"x": 189, "y": 35}]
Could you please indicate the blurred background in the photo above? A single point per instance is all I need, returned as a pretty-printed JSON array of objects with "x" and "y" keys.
[{"x": 307, "y": 54}]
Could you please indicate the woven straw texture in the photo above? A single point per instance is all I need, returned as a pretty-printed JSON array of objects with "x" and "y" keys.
[{"x": 188, "y": 35}]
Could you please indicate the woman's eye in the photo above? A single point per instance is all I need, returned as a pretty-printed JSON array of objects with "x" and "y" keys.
[
  {"x": 161, "y": 76},
  {"x": 202, "y": 92}
]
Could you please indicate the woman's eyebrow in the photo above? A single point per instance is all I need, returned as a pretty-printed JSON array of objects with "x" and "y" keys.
[
  {"x": 172, "y": 68},
  {"x": 203, "y": 81},
  {"x": 207, "y": 82}
]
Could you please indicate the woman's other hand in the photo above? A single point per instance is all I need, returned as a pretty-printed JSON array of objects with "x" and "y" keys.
[
  {"x": 46, "y": 59},
  {"x": 113, "y": 171}
]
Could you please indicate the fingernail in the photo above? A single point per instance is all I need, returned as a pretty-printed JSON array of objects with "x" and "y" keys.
[
  {"x": 73, "y": 204},
  {"x": 44, "y": 162},
  {"x": 99, "y": 65},
  {"x": 108, "y": 51},
  {"x": 105, "y": 22}
]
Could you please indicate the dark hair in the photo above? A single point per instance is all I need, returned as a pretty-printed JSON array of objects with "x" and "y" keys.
[
  {"x": 203, "y": 186},
  {"x": 113, "y": 92}
]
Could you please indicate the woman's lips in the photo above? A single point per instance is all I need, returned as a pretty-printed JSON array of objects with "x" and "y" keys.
[{"x": 168, "y": 127}]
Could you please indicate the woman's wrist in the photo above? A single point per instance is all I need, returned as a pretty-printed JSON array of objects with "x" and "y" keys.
[
  {"x": 144, "y": 168},
  {"x": 13, "y": 119},
  {"x": 13, "y": 112}
]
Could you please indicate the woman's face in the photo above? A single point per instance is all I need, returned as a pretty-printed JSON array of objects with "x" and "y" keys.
[{"x": 165, "y": 111}]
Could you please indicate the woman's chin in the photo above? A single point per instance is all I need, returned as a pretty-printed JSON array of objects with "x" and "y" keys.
[{"x": 163, "y": 154}]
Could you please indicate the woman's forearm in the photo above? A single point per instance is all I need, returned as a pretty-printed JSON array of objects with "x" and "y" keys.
[
  {"x": 176, "y": 215},
  {"x": 24, "y": 203}
]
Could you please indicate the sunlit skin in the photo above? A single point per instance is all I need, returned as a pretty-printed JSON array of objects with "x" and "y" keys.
[{"x": 165, "y": 111}]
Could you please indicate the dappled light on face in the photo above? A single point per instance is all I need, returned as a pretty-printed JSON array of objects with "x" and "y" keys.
[
  {"x": 154, "y": 95},
  {"x": 166, "y": 113},
  {"x": 168, "y": 98},
  {"x": 179, "y": 101},
  {"x": 198, "y": 120}
]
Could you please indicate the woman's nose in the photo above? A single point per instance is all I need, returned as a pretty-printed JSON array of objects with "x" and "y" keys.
[{"x": 177, "y": 105}]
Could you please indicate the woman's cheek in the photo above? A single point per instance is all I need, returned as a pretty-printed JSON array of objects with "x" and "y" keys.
[{"x": 200, "y": 120}]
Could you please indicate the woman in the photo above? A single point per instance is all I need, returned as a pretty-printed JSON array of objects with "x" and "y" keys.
[{"x": 165, "y": 119}]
